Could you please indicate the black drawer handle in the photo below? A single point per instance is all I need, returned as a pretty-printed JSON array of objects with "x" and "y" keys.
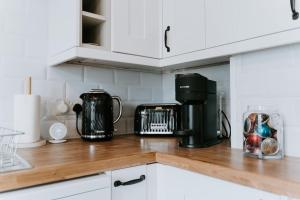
[
  {"x": 131, "y": 182},
  {"x": 166, "y": 38},
  {"x": 295, "y": 13}
]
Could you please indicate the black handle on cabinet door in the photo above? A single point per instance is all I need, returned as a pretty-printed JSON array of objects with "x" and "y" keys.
[
  {"x": 295, "y": 13},
  {"x": 131, "y": 182},
  {"x": 166, "y": 38}
]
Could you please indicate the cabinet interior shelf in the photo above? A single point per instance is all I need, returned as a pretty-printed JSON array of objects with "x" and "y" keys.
[{"x": 92, "y": 19}]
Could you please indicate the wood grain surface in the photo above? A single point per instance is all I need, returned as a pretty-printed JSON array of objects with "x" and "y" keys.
[{"x": 76, "y": 158}]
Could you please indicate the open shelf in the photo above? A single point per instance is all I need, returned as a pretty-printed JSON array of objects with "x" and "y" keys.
[
  {"x": 92, "y": 19},
  {"x": 93, "y": 6},
  {"x": 94, "y": 26},
  {"x": 92, "y": 34}
]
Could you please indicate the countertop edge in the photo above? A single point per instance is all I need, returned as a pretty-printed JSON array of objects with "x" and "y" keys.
[{"x": 245, "y": 178}]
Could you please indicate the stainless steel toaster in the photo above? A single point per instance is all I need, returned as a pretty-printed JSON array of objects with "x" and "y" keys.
[{"x": 156, "y": 119}]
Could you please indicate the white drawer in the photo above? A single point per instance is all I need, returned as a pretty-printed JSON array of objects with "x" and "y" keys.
[
  {"x": 134, "y": 191},
  {"x": 82, "y": 186},
  {"x": 103, "y": 194}
]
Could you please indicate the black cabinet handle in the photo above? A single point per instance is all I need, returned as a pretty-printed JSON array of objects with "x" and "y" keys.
[
  {"x": 131, "y": 182},
  {"x": 166, "y": 38},
  {"x": 295, "y": 13}
]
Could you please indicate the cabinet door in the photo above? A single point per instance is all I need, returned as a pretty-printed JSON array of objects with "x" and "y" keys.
[
  {"x": 87, "y": 188},
  {"x": 214, "y": 189},
  {"x": 63, "y": 22},
  {"x": 234, "y": 20},
  {"x": 179, "y": 184},
  {"x": 186, "y": 22},
  {"x": 136, "y": 27},
  {"x": 171, "y": 183},
  {"x": 134, "y": 191}
]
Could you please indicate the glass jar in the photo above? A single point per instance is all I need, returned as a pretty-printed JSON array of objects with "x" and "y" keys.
[{"x": 263, "y": 133}]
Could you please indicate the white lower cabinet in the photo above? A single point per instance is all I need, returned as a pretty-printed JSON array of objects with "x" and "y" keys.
[
  {"x": 89, "y": 188},
  {"x": 129, "y": 183},
  {"x": 145, "y": 182},
  {"x": 179, "y": 184}
]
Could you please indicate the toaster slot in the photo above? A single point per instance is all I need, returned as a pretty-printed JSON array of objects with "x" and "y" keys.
[{"x": 156, "y": 120}]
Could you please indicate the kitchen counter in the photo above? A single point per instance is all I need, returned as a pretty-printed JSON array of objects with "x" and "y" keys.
[{"x": 76, "y": 158}]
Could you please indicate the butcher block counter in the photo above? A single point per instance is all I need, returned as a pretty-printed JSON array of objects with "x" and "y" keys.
[{"x": 76, "y": 158}]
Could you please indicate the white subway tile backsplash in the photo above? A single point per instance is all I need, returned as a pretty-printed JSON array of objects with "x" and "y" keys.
[
  {"x": 169, "y": 94},
  {"x": 292, "y": 140},
  {"x": 152, "y": 80},
  {"x": 15, "y": 24},
  {"x": 66, "y": 72},
  {"x": 130, "y": 125},
  {"x": 12, "y": 46},
  {"x": 71, "y": 127},
  {"x": 9, "y": 87},
  {"x": 120, "y": 126},
  {"x": 139, "y": 94},
  {"x": 275, "y": 59},
  {"x": 123, "y": 77},
  {"x": 74, "y": 89},
  {"x": 268, "y": 77},
  {"x": 98, "y": 75},
  {"x": 129, "y": 108},
  {"x": 13, "y": 7},
  {"x": 49, "y": 89},
  {"x": 6, "y": 107},
  {"x": 157, "y": 94},
  {"x": 35, "y": 48},
  {"x": 114, "y": 90},
  {"x": 13, "y": 68}
]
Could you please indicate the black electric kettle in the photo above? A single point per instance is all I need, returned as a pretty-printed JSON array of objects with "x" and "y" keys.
[{"x": 97, "y": 115}]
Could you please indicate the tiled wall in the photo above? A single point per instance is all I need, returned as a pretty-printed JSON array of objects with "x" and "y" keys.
[
  {"x": 69, "y": 81},
  {"x": 269, "y": 77},
  {"x": 23, "y": 50}
]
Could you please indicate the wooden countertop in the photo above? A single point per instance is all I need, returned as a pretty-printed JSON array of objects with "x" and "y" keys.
[{"x": 56, "y": 162}]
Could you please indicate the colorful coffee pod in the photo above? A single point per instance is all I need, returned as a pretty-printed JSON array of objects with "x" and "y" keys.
[
  {"x": 263, "y": 130},
  {"x": 253, "y": 140},
  {"x": 252, "y": 117},
  {"x": 269, "y": 146}
]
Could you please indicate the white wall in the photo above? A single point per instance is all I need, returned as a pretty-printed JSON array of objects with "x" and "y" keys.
[
  {"x": 23, "y": 50},
  {"x": 269, "y": 77}
]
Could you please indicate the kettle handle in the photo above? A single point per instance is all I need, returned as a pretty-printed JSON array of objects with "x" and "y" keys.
[{"x": 118, "y": 99}]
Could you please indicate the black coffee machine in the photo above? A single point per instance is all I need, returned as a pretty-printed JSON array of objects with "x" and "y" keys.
[{"x": 198, "y": 97}]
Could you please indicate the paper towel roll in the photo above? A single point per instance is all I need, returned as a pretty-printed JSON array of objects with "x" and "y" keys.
[{"x": 27, "y": 117}]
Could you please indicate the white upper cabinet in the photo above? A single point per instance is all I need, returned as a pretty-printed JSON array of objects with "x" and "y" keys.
[
  {"x": 235, "y": 20},
  {"x": 153, "y": 34},
  {"x": 183, "y": 26},
  {"x": 136, "y": 27},
  {"x": 63, "y": 23}
]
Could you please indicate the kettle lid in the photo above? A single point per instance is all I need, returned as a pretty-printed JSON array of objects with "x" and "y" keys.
[{"x": 93, "y": 92}]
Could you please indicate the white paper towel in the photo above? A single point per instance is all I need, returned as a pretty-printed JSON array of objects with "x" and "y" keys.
[{"x": 27, "y": 117}]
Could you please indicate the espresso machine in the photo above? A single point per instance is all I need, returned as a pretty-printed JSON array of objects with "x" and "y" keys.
[{"x": 197, "y": 94}]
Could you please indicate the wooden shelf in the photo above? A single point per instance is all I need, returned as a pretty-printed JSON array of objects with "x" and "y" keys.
[
  {"x": 91, "y": 18},
  {"x": 94, "y": 6}
]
